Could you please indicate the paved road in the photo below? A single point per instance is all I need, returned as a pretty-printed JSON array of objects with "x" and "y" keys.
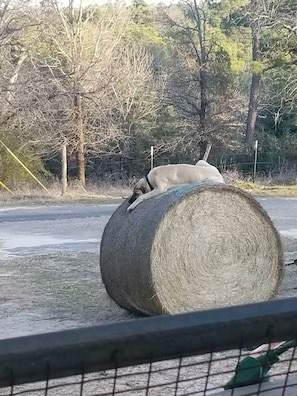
[
  {"x": 51, "y": 229},
  {"x": 55, "y": 212},
  {"x": 283, "y": 212},
  {"x": 74, "y": 228}
]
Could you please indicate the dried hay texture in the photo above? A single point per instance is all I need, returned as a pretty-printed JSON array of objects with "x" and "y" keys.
[{"x": 194, "y": 247}]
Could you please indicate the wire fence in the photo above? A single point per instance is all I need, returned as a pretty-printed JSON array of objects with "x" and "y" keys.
[
  {"x": 199, "y": 353},
  {"x": 115, "y": 168}
]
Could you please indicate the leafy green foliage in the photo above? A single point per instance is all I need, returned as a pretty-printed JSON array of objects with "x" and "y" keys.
[{"x": 145, "y": 35}]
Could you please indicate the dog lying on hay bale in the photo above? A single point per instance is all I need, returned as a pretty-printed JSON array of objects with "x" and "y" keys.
[
  {"x": 194, "y": 247},
  {"x": 162, "y": 178}
]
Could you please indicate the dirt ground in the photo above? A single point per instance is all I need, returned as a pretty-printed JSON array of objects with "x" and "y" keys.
[
  {"x": 34, "y": 300},
  {"x": 37, "y": 298}
]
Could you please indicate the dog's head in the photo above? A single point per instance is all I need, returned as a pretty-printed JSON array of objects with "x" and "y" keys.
[{"x": 140, "y": 188}]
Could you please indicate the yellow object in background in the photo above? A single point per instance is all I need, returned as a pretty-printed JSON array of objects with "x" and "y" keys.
[
  {"x": 6, "y": 188},
  {"x": 24, "y": 166}
]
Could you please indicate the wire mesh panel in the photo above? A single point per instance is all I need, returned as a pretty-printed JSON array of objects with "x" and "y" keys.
[
  {"x": 192, "y": 354},
  {"x": 199, "y": 375}
]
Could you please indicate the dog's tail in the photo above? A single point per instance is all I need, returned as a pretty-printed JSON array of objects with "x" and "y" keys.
[{"x": 202, "y": 163}]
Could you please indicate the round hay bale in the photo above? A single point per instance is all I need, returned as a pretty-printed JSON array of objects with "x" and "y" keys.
[{"x": 194, "y": 247}]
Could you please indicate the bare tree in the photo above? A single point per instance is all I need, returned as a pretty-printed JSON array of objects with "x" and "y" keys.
[
  {"x": 136, "y": 93},
  {"x": 204, "y": 99},
  {"x": 191, "y": 76},
  {"x": 88, "y": 88},
  {"x": 84, "y": 51},
  {"x": 16, "y": 22}
]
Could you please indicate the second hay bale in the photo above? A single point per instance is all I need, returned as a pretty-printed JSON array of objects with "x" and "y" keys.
[{"x": 195, "y": 247}]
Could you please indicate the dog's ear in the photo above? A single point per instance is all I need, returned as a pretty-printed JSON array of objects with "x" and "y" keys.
[{"x": 133, "y": 198}]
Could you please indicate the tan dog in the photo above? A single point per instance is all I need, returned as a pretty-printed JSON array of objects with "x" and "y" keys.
[{"x": 162, "y": 178}]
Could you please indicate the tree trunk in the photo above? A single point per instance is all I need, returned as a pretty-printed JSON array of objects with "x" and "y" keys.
[
  {"x": 252, "y": 112},
  {"x": 80, "y": 157},
  {"x": 254, "y": 89},
  {"x": 64, "y": 169},
  {"x": 203, "y": 63},
  {"x": 202, "y": 60},
  {"x": 203, "y": 100},
  {"x": 203, "y": 107},
  {"x": 80, "y": 152}
]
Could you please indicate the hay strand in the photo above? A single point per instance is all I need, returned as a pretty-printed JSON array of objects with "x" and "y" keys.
[{"x": 194, "y": 247}]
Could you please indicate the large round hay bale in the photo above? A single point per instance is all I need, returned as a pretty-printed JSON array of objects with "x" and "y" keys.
[{"x": 194, "y": 247}]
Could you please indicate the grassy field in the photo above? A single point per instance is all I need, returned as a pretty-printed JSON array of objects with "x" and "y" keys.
[
  {"x": 116, "y": 194},
  {"x": 270, "y": 190},
  {"x": 75, "y": 194}
]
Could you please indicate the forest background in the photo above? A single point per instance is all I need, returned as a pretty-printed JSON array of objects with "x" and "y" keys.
[{"x": 105, "y": 83}]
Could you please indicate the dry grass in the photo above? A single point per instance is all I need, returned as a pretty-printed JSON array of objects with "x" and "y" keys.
[
  {"x": 280, "y": 186},
  {"x": 75, "y": 194},
  {"x": 272, "y": 190}
]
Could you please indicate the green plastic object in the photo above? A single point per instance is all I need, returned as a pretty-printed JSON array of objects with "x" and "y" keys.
[{"x": 255, "y": 370}]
